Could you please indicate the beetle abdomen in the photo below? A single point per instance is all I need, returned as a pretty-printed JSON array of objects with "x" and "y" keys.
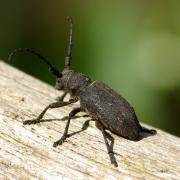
[{"x": 111, "y": 109}]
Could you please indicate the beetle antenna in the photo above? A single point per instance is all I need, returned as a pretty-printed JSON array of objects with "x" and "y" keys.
[
  {"x": 70, "y": 44},
  {"x": 52, "y": 69}
]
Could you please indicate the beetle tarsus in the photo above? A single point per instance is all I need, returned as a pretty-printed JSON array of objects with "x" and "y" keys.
[
  {"x": 34, "y": 121},
  {"x": 112, "y": 159},
  {"x": 60, "y": 141},
  {"x": 150, "y": 131}
]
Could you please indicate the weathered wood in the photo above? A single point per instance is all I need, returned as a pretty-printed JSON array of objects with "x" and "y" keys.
[{"x": 26, "y": 152}]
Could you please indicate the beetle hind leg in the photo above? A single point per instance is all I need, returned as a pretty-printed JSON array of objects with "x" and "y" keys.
[{"x": 109, "y": 147}]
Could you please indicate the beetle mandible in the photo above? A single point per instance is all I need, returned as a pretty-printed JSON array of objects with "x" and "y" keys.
[{"x": 108, "y": 109}]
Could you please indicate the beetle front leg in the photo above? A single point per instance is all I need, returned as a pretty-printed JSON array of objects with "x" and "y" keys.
[
  {"x": 106, "y": 136},
  {"x": 65, "y": 134},
  {"x": 52, "y": 105},
  {"x": 61, "y": 98}
]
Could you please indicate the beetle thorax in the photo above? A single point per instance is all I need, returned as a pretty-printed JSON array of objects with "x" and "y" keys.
[{"x": 73, "y": 81}]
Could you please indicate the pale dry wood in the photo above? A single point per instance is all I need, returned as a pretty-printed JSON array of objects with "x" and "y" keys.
[{"x": 26, "y": 152}]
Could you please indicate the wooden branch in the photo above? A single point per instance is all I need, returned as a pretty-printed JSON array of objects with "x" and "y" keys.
[{"x": 26, "y": 152}]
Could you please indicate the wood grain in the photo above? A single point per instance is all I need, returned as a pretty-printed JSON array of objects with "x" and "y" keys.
[{"x": 26, "y": 152}]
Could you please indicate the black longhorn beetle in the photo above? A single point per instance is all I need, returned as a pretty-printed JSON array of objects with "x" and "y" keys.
[{"x": 108, "y": 109}]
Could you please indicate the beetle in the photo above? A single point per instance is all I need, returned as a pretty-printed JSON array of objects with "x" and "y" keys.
[{"x": 110, "y": 111}]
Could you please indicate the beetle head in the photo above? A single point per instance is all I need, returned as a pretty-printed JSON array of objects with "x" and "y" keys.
[
  {"x": 61, "y": 82},
  {"x": 72, "y": 81}
]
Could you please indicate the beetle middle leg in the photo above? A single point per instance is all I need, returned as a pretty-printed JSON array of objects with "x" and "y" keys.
[
  {"x": 106, "y": 136},
  {"x": 65, "y": 134},
  {"x": 52, "y": 105},
  {"x": 84, "y": 127}
]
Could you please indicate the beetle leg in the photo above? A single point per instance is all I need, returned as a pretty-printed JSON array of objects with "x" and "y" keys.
[
  {"x": 65, "y": 134},
  {"x": 61, "y": 98},
  {"x": 84, "y": 127},
  {"x": 52, "y": 105},
  {"x": 86, "y": 124},
  {"x": 106, "y": 136},
  {"x": 150, "y": 131},
  {"x": 110, "y": 148}
]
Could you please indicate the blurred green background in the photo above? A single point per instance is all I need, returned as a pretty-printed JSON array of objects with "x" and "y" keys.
[{"x": 132, "y": 45}]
